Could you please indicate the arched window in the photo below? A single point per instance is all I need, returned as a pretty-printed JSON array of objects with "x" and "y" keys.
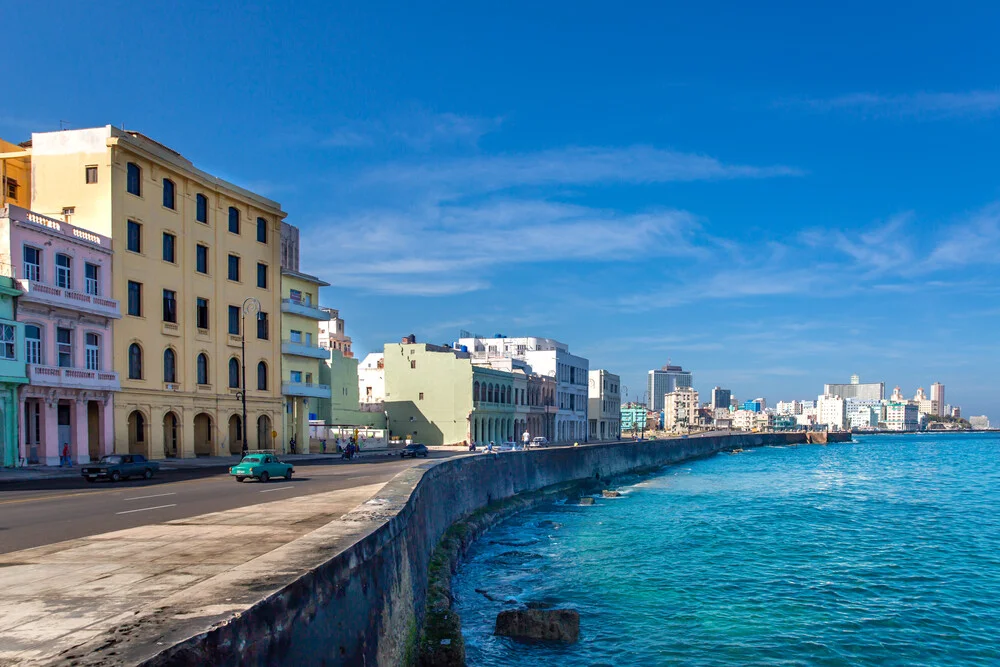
[
  {"x": 475, "y": 391},
  {"x": 489, "y": 393},
  {"x": 262, "y": 376},
  {"x": 234, "y": 373},
  {"x": 134, "y": 362},
  {"x": 133, "y": 180},
  {"x": 262, "y": 230},
  {"x": 168, "y": 193},
  {"x": 234, "y": 220},
  {"x": 33, "y": 344},
  {"x": 169, "y": 366},
  {"x": 202, "y": 368},
  {"x": 201, "y": 208}
]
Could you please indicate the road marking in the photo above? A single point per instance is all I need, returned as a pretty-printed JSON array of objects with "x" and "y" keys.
[
  {"x": 280, "y": 488},
  {"x": 145, "y": 509},
  {"x": 158, "y": 495}
]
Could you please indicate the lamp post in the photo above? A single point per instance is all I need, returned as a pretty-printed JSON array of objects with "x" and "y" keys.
[{"x": 250, "y": 305}]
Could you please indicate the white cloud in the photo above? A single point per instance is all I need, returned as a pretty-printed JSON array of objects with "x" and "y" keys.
[
  {"x": 920, "y": 105},
  {"x": 418, "y": 129}
]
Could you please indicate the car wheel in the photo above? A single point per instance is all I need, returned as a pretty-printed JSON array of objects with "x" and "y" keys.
[
  {"x": 147, "y": 474},
  {"x": 264, "y": 477},
  {"x": 288, "y": 475},
  {"x": 116, "y": 476},
  {"x": 240, "y": 478}
]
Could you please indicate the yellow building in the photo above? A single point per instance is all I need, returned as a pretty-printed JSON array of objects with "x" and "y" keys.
[
  {"x": 189, "y": 250},
  {"x": 301, "y": 355},
  {"x": 15, "y": 175}
]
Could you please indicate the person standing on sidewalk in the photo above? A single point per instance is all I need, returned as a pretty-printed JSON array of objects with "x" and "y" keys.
[{"x": 65, "y": 458}]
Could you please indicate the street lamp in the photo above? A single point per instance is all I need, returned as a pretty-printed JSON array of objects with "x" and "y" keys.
[{"x": 250, "y": 306}]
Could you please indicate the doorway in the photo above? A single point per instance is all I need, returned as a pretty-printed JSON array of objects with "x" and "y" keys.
[{"x": 93, "y": 430}]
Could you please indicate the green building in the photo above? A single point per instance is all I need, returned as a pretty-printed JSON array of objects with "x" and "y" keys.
[
  {"x": 633, "y": 417},
  {"x": 12, "y": 371},
  {"x": 340, "y": 373},
  {"x": 435, "y": 395}
]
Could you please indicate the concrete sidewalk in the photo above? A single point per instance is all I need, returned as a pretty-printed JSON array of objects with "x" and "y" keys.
[{"x": 56, "y": 601}]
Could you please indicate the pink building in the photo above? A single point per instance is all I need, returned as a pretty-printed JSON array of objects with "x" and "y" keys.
[{"x": 65, "y": 274}]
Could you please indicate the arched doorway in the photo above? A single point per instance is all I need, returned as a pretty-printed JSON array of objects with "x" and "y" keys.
[
  {"x": 171, "y": 435},
  {"x": 264, "y": 432},
  {"x": 202, "y": 435},
  {"x": 137, "y": 436},
  {"x": 235, "y": 435}
]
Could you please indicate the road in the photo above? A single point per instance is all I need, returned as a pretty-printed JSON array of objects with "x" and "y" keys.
[{"x": 40, "y": 513}]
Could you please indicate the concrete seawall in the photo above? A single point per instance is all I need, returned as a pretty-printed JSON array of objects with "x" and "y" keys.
[{"x": 363, "y": 605}]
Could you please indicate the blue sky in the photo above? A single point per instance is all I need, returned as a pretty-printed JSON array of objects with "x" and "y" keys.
[{"x": 774, "y": 197}]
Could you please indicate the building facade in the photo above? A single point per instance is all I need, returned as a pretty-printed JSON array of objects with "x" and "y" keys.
[
  {"x": 901, "y": 416},
  {"x": 15, "y": 175},
  {"x": 721, "y": 398},
  {"x": 937, "y": 398},
  {"x": 12, "y": 370},
  {"x": 189, "y": 250},
  {"x": 662, "y": 381},
  {"x": 604, "y": 405},
  {"x": 856, "y": 389},
  {"x": 371, "y": 382},
  {"x": 332, "y": 335},
  {"x": 680, "y": 410},
  {"x": 633, "y": 417},
  {"x": 67, "y": 313},
  {"x": 831, "y": 411}
]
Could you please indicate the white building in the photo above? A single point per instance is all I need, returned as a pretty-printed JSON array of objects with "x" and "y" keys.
[
  {"x": 604, "y": 405},
  {"x": 937, "y": 398},
  {"x": 664, "y": 380},
  {"x": 744, "y": 420},
  {"x": 371, "y": 382},
  {"x": 788, "y": 408},
  {"x": 901, "y": 416},
  {"x": 831, "y": 411},
  {"x": 856, "y": 389},
  {"x": 548, "y": 357},
  {"x": 863, "y": 413},
  {"x": 979, "y": 422},
  {"x": 331, "y": 333},
  {"x": 680, "y": 410}
]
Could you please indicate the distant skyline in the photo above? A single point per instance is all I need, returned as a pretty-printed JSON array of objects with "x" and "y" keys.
[{"x": 774, "y": 197}]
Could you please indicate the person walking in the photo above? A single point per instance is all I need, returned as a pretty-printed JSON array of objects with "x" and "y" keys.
[{"x": 65, "y": 458}]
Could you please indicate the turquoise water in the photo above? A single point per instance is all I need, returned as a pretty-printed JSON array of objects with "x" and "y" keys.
[{"x": 885, "y": 551}]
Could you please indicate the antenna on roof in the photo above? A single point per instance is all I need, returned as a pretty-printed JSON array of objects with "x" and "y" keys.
[{"x": 63, "y": 124}]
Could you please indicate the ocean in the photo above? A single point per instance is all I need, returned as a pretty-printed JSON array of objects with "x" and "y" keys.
[{"x": 883, "y": 551}]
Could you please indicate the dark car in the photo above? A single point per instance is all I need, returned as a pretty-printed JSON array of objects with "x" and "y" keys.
[
  {"x": 120, "y": 466},
  {"x": 414, "y": 450}
]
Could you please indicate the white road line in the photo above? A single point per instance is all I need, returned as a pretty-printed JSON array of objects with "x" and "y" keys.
[
  {"x": 158, "y": 495},
  {"x": 145, "y": 509},
  {"x": 280, "y": 488}
]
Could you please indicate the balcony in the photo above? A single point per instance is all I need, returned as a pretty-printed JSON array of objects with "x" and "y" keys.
[
  {"x": 297, "y": 307},
  {"x": 72, "y": 378},
  {"x": 60, "y": 297},
  {"x": 300, "y": 349},
  {"x": 305, "y": 389}
]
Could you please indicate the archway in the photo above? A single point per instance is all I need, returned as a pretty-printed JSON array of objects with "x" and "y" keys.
[
  {"x": 171, "y": 435},
  {"x": 202, "y": 434},
  {"x": 264, "y": 432},
  {"x": 137, "y": 436},
  {"x": 235, "y": 435}
]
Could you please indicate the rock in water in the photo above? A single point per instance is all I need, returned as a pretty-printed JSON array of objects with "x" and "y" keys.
[
  {"x": 559, "y": 625},
  {"x": 586, "y": 501},
  {"x": 610, "y": 494}
]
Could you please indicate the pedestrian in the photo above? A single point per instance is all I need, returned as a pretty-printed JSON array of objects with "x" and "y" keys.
[
  {"x": 65, "y": 458},
  {"x": 322, "y": 446}
]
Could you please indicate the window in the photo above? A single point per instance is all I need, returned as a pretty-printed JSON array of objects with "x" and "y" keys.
[
  {"x": 201, "y": 313},
  {"x": 202, "y": 368},
  {"x": 295, "y": 376},
  {"x": 261, "y": 275},
  {"x": 295, "y": 296},
  {"x": 234, "y": 320},
  {"x": 91, "y": 275},
  {"x": 421, "y": 396},
  {"x": 309, "y": 339},
  {"x": 134, "y": 179},
  {"x": 168, "y": 194},
  {"x": 8, "y": 340},
  {"x": 64, "y": 347},
  {"x": 170, "y": 306},
  {"x": 63, "y": 274},
  {"x": 413, "y": 363},
  {"x": 201, "y": 208},
  {"x": 33, "y": 344},
  {"x": 32, "y": 263},
  {"x": 169, "y": 366},
  {"x": 234, "y": 373},
  {"x": 309, "y": 378},
  {"x": 134, "y": 362},
  {"x": 134, "y": 236},
  {"x": 262, "y": 376},
  {"x": 295, "y": 336},
  {"x": 234, "y": 220},
  {"x": 234, "y": 268},
  {"x": 201, "y": 258},
  {"x": 92, "y": 347},
  {"x": 261, "y": 230},
  {"x": 262, "y": 326},
  {"x": 169, "y": 248},
  {"x": 11, "y": 187},
  {"x": 134, "y": 298},
  {"x": 90, "y": 174}
]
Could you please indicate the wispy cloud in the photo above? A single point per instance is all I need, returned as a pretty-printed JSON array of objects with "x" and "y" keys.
[
  {"x": 974, "y": 240},
  {"x": 418, "y": 129},
  {"x": 920, "y": 105}
]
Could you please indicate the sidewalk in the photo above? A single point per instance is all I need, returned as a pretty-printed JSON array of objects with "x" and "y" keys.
[{"x": 40, "y": 472}]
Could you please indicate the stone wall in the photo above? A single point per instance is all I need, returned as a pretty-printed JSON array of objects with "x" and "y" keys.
[{"x": 364, "y": 605}]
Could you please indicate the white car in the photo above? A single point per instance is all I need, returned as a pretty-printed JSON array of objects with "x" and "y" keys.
[{"x": 539, "y": 441}]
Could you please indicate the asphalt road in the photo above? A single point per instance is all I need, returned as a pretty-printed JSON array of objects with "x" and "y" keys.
[{"x": 38, "y": 513}]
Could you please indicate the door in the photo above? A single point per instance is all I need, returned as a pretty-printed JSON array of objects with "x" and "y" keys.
[{"x": 65, "y": 427}]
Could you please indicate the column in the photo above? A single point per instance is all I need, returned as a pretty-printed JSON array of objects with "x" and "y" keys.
[
  {"x": 22, "y": 432},
  {"x": 50, "y": 446},
  {"x": 80, "y": 443},
  {"x": 106, "y": 413}
]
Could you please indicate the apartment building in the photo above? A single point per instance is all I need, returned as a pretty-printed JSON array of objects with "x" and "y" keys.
[{"x": 604, "y": 405}]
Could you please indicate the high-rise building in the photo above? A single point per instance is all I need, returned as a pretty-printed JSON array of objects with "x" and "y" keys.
[
  {"x": 856, "y": 389},
  {"x": 832, "y": 411},
  {"x": 190, "y": 251},
  {"x": 721, "y": 398},
  {"x": 937, "y": 398},
  {"x": 680, "y": 409},
  {"x": 663, "y": 381}
]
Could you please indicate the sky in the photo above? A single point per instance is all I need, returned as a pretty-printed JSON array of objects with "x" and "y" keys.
[{"x": 774, "y": 197}]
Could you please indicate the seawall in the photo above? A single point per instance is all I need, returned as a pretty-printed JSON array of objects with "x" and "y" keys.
[{"x": 364, "y": 604}]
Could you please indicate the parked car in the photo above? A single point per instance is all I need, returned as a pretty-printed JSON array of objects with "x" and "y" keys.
[
  {"x": 117, "y": 467},
  {"x": 414, "y": 450},
  {"x": 261, "y": 466},
  {"x": 539, "y": 441}
]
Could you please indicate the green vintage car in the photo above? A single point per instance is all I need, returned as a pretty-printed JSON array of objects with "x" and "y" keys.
[{"x": 262, "y": 466}]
